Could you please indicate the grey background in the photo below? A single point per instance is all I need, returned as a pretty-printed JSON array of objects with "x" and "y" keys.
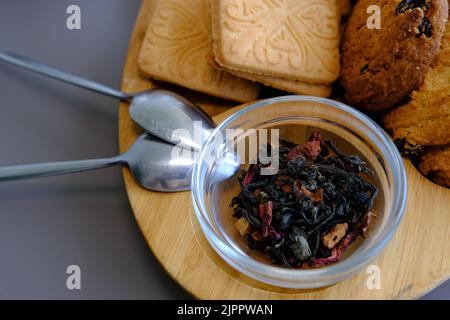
[{"x": 83, "y": 219}]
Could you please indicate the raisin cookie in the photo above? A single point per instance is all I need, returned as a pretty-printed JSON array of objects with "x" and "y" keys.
[
  {"x": 436, "y": 166},
  {"x": 425, "y": 119},
  {"x": 381, "y": 67}
]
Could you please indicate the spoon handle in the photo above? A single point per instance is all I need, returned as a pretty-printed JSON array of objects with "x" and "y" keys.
[
  {"x": 55, "y": 168},
  {"x": 35, "y": 66}
]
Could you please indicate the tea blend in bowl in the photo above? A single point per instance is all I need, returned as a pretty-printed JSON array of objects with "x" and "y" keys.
[{"x": 308, "y": 213}]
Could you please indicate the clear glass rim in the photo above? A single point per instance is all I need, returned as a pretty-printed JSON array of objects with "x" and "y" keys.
[{"x": 293, "y": 277}]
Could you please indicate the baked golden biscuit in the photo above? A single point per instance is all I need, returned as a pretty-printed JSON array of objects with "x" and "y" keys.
[
  {"x": 436, "y": 166},
  {"x": 293, "y": 40},
  {"x": 425, "y": 120},
  {"x": 177, "y": 47},
  {"x": 381, "y": 67},
  {"x": 297, "y": 87},
  {"x": 423, "y": 126}
]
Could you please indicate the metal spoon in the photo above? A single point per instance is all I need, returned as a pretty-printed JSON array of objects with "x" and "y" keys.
[
  {"x": 159, "y": 112},
  {"x": 154, "y": 164},
  {"x": 150, "y": 160}
]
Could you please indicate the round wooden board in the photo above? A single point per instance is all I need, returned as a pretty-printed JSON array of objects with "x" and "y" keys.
[{"x": 415, "y": 261}]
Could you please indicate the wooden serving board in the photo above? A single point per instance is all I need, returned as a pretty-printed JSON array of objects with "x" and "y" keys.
[{"x": 415, "y": 261}]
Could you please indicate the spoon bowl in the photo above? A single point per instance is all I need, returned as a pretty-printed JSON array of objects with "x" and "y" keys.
[
  {"x": 162, "y": 113},
  {"x": 171, "y": 117},
  {"x": 153, "y": 163}
]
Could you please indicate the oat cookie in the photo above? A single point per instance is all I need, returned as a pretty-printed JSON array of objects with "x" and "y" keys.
[
  {"x": 380, "y": 68},
  {"x": 345, "y": 7},
  {"x": 425, "y": 120},
  {"x": 436, "y": 166},
  {"x": 176, "y": 48},
  {"x": 419, "y": 125},
  {"x": 290, "y": 39}
]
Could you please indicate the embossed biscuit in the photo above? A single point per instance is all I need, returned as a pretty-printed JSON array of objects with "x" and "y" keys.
[
  {"x": 297, "y": 87},
  {"x": 294, "y": 40},
  {"x": 176, "y": 48}
]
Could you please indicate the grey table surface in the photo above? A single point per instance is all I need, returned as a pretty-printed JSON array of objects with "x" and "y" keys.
[{"x": 81, "y": 219}]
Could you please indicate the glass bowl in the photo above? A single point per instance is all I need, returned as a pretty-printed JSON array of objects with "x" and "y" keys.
[{"x": 296, "y": 117}]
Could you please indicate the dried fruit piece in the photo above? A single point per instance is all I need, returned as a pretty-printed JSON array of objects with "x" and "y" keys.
[
  {"x": 316, "y": 196},
  {"x": 309, "y": 150},
  {"x": 366, "y": 222},
  {"x": 334, "y": 235},
  {"x": 337, "y": 252},
  {"x": 243, "y": 226}
]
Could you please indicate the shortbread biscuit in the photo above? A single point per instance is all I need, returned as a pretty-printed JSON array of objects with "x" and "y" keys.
[
  {"x": 293, "y": 40},
  {"x": 380, "y": 68},
  {"x": 436, "y": 166},
  {"x": 297, "y": 87},
  {"x": 177, "y": 46},
  {"x": 425, "y": 120}
]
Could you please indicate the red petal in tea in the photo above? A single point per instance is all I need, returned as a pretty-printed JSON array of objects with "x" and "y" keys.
[
  {"x": 316, "y": 136},
  {"x": 310, "y": 150},
  {"x": 337, "y": 252},
  {"x": 265, "y": 211},
  {"x": 273, "y": 234},
  {"x": 249, "y": 175}
]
